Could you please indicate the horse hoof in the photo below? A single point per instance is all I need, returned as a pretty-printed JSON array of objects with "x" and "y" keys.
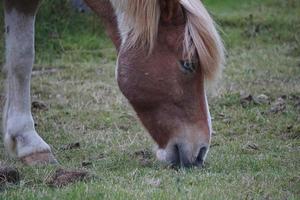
[{"x": 39, "y": 158}]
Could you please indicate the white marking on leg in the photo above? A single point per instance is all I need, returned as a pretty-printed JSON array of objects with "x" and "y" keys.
[{"x": 20, "y": 137}]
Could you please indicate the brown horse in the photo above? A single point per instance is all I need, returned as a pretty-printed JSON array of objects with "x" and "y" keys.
[{"x": 167, "y": 51}]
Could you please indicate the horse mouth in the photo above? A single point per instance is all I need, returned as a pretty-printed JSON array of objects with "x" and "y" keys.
[{"x": 179, "y": 157}]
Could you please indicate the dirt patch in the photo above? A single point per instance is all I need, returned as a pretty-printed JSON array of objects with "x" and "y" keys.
[
  {"x": 250, "y": 148},
  {"x": 296, "y": 101},
  {"x": 247, "y": 99},
  {"x": 64, "y": 177},
  {"x": 144, "y": 157},
  {"x": 86, "y": 163},
  {"x": 39, "y": 106},
  {"x": 292, "y": 132},
  {"x": 75, "y": 145},
  {"x": 278, "y": 106},
  {"x": 214, "y": 145},
  {"x": 9, "y": 175}
]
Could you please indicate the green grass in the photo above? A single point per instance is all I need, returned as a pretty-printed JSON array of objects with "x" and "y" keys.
[{"x": 263, "y": 44}]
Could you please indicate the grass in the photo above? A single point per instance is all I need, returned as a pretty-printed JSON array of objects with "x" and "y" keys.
[{"x": 255, "y": 154}]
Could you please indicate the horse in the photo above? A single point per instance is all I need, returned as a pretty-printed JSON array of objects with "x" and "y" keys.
[{"x": 168, "y": 52}]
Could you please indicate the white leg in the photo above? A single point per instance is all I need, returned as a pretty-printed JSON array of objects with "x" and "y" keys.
[{"x": 20, "y": 137}]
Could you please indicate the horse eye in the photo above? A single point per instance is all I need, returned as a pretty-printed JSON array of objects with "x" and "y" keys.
[{"x": 188, "y": 66}]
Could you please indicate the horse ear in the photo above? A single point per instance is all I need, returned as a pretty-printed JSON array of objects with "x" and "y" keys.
[{"x": 168, "y": 8}]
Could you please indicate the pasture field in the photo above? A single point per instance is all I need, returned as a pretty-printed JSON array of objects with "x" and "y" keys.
[{"x": 255, "y": 151}]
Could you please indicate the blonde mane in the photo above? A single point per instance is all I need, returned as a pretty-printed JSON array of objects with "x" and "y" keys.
[{"x": 138, "y": 23}]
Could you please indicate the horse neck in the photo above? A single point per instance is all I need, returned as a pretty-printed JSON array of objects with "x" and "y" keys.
[{"x": 107, "y": 14}]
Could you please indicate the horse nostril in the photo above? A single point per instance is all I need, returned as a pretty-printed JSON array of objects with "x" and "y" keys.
[
  {"x": 183, "y": 156},
  {"x": 200, "y": 158},
  {"x": 176, "y": 156}
]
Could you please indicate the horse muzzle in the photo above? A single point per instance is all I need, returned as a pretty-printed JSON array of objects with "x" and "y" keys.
[{"x": 182, "y": 155}]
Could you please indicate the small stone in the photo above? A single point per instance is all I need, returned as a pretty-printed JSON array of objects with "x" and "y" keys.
[{"x": 263, "y": 99}]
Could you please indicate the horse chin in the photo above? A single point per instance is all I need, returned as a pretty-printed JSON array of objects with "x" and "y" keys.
[
  {"x": 164, "y": 157},
  {"x": 167, "y": 156},
  {"x": 161, "y": 155}
]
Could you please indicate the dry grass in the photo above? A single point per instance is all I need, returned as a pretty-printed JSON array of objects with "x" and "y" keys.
[{"x": 255, "y": 153}]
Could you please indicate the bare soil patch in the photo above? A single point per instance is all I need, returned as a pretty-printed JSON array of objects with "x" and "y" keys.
[{"x": 64, "y": 177}]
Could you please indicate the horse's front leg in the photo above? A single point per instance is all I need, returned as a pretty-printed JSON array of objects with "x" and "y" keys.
[{"x": 20, "y": 136}]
